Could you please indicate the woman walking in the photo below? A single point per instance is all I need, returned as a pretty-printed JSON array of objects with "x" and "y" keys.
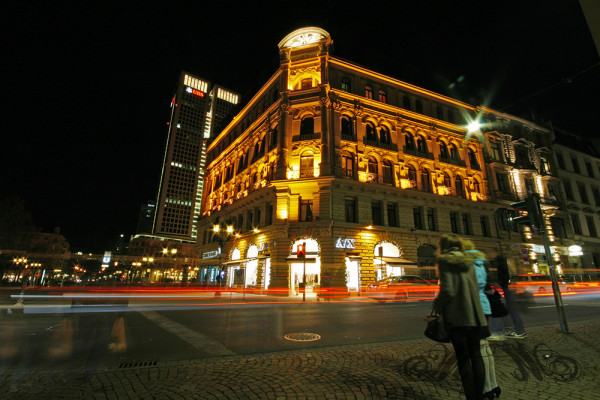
[
  {"x": 458, "y": 303},
  {"x": 491, "y": 389}
]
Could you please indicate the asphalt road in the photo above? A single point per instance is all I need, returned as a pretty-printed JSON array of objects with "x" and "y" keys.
[{"x": 94, "y": 336}]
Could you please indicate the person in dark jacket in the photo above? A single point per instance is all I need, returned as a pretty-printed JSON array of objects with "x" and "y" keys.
[
  {"x": 459, "y": 305},
  {"x": 497, "y": 324}
]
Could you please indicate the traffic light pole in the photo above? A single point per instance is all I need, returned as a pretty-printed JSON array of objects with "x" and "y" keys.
[{"x": 562, "y": 319}]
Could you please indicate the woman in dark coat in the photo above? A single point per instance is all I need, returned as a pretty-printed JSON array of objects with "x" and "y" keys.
[{"x": 458, "y": 303}]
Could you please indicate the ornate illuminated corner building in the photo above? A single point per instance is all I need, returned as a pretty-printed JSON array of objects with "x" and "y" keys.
[{"x": 367, "y": 170}]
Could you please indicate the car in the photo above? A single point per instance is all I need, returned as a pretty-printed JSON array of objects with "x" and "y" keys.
[
  {"x": 403, "y": 288},
  {"x": 534, "y": 285}
]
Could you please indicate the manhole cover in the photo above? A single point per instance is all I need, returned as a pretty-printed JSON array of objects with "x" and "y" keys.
[{"x": 302, "y": 337}]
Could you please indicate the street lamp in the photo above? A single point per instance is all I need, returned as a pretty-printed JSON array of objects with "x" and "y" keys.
[
  {"x": 222, "y": 237},
  {"x": 168, "y": 253}
]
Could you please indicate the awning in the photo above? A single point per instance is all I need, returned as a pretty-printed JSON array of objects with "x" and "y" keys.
[{"x": 399, "y": 261}]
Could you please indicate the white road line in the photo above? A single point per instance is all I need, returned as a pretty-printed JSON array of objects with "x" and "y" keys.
[
  {"x": 197, "y": 340},
  {"x": 545, "y": 306}
]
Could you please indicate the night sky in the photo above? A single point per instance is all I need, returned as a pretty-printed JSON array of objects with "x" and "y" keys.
[{"x": 86, "y": 90}]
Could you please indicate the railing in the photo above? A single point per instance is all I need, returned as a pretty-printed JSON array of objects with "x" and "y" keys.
[
  {"x": 349, "y": 138},
  {"x": 453, "y": 161},
  {"x": 417, "y": 153},
  {"x": 376, "y": 143},
  {"x": 310, "y": 136}
]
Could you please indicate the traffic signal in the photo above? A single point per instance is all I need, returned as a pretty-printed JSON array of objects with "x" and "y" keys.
[
  {"x": 531, "y": 214},
  {"x": 301, "y": 250}
]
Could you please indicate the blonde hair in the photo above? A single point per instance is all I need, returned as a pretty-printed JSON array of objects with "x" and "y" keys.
[{"x": 468, "y": 245}]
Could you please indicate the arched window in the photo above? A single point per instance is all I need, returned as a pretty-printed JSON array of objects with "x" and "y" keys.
[
  {"x": 371, "y": 132},
  {"x": 473, "y": 159},
  {"x": 307, "y": 126},
  {"x": 274, "y": 133},
  {"x": 346, "y": 85},
  {"x": 409, "y": 141},
  {"x": 307, "y": 165},
  {"x": 454, "y": 152},
  {"x": 419, "y": 106},
  {"x": 347, "y": 165},
  {"x": 421, "y": 144},
  {"x": 447, "y": 181},
  {"x": 384, "y": 135},
  {"x": 406, "y": 103},
  {"x": 373, "y": 169},
  {"x": 386, "y": 169},
  {"x": 459, "y": 186},
  {"x": 412, "y": 175},
  {"x": 425, "y": 180},
  {"x": 476, "y": 186},
  {"x": 347, "y": 126},
  {"x": 382, "y": 96},
  {"x": 443, "y": 150},
  {"x": 368, "y": 92}
]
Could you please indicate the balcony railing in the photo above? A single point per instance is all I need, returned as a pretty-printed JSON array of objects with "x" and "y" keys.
[
  {"x": 453, "y": 161},
  {"x": 376, "y": 143},
  {"x": 310, "y": 136},
  {"x": 349, "y": 138},
  {"x": 417, "y": 153}
]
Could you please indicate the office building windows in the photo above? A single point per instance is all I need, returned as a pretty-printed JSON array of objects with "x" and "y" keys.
[
  {"x": 350, "y": 210},
  {"x": 418, "y": 217},
  {"x": 454, "y": 221},
  {"x": 575, "y": 163},
  {"x": 466, "y": 224},
  {"x": 582, "y": 193},
  {"x": 568, "y": 190},
  {"x": 431, "y": 225},
  {"x": 485, "y": 225},
  {"x": 591, "y": 225},
  {"x": 392, "y": 214},
  {"x": 590, "y": 169},
  {"x": 576, "y": 224},
  {"x": 376, "y": 216}
]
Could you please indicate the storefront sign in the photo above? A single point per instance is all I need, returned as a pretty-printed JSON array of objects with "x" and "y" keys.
[
  {"x": 211, "y": 254},
  {"x": 345, "y": 244}
]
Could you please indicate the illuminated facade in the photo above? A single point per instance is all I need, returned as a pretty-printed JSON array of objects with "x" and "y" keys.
[
  {"x": 366, "y": 170},
  {"x": 194, "y": 113}
]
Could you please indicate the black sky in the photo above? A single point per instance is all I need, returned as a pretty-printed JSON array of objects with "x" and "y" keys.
[{"x": 86, "y": 90}]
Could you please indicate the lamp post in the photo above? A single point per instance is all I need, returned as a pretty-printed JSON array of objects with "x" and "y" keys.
[
  {"x": 168, "y": 253},
  {"x": 222, "y": 237}
]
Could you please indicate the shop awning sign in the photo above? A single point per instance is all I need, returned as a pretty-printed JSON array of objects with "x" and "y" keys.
[{"x": 347, "y": 243}]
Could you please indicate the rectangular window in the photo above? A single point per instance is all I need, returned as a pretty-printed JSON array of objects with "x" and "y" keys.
[
  {"x": 485, "y": 225},
  {"x": 418, "y": 217},
  {"x": 376, "y": 213},
  {"x": 558, "y": 227},
  {"x": 575, "y": 163},
  {"x": 590, "y": 169},
  {"x": 568, "y": 190},
  {"x": 495, "y": 151},
  {"x": 306, "y": 207},
  {"x": 454, "y": 221},
  {"x": 249, "y": 220},
  {"x": 466, "y": 223},
  {"x": 257, "y": 218},
  {"x": 502, "y": 182},
  {"x": 561, "y": 160},
  {"x": 582, "y": 193},
  {"x": 596, "y": 194},
  {"x": 576, "y": 224},
  {"x": 392, "y": 214},
  {"x": 350, "y": 210},
  {"x": 268, "y": 214},
  {"x": 591, "y": 225},
  {"x": 240, "y": 222},
  {"x": 431, "y": 219}
]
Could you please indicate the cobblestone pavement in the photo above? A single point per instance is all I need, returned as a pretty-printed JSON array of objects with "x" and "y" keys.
[{"x": 545, "y": 365}]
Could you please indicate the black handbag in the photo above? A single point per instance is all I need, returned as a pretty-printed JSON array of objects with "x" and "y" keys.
[
  {"x": 497, "y": 305},
  {"x": 436, "y": 329}
]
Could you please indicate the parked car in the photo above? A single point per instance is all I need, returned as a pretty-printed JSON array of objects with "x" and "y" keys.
[
  {"x": 403, "y": 287},
  {"x": 535, "y": 285}
]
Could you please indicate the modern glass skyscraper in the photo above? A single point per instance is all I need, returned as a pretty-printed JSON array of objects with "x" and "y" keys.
[{"x": 197, "y": 110}]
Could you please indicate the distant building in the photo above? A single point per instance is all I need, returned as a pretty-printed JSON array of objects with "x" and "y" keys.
[
  {"x": 195, "y": 109},
  {"x": 146, "y": 218}
]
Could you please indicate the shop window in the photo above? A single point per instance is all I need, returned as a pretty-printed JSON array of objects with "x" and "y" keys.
[{"x": 307, "y": 126}]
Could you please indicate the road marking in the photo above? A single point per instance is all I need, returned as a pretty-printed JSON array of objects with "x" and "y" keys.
[
  {"x": 546, "y": 306},
  {"x": 197, "y": 340}
]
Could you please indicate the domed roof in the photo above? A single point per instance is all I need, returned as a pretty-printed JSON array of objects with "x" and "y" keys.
[{"x": 303, "y": 37}]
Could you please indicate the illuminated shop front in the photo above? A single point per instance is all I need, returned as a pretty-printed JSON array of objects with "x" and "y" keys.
[
  {"x": 388, "y": 261},
  {"x": 305, "y": 272}
]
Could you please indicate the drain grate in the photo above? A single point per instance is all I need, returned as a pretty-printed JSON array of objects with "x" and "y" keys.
[
  {"x": 302, "y": 337},
  {"x": 136, "y": 364}
]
